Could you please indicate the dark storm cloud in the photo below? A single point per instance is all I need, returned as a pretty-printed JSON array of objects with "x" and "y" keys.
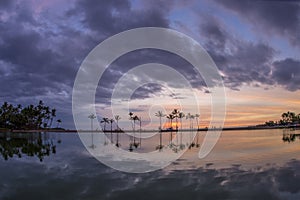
[
  {"x": 36, "y": 66},
  {"x": 53, "y": 56},
  {"x": 5, "y": 3},
  {"x": 240, "y": 61},
  {"x": 216, "y": 36},
  {"x": 145, "y": 91},
  {"x": 126, "y": 62},
  {"x": 287, "y": 73},
  {"x": 40, "y": 52},
  {"x": 279, "y": 17},
  {"x": 247, "y": 62},
  {"x": 111, "y": 17}
]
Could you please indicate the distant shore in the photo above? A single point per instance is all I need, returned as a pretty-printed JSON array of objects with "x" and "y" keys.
[{"x": 257, "y": 127}]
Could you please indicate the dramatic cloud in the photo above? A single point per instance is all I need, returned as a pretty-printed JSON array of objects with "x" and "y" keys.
[
  {"x": 287, "y": 73},
  {"x": 111, "y": 17},
  {"x": 41, "y": 51},
  {"x": 279, "y": 17},
  {"x": 241, "y": 61},
  {"x": 42, "y": 44}
]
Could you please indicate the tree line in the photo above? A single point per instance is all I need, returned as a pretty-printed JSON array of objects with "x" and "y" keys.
[
  {"x": 287, "y": 118},
  {"x": 29, "y": 117}
]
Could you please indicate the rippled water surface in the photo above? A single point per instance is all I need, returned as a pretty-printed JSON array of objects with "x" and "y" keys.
[{"x": 261, "y": 164}]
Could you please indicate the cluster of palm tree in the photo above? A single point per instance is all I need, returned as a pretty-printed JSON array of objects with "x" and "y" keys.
[
  {"x": 290, "y": 118},
  {"x": 287, "y": 118},
  {"x": 105, "y": 121},
  {"x": 110, "y": 121},
  {"x": 29, "y": 117},
  {"x": 176, "y": 114}
]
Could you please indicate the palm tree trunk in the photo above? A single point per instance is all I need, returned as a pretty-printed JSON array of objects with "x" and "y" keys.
[
  {"x": 160, "y": 134},
  {"x": 111, "y": 135},
  {"x": 140, "y": 132}
]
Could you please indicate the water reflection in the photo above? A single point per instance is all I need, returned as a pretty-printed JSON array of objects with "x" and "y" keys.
[
  {"x": 37, "y": 145},
  {"x": 290, "y": 135},
  {"x": 132, "y": 141},
  {"x": 259, "y": 159}
]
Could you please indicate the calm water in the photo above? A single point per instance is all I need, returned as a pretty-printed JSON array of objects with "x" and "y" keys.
[{"x": 262, "y": 164}]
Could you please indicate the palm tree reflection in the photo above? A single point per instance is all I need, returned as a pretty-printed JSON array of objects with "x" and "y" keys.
[
  {"x": 37, "y": 145},
  {"x": 289, "y": 136}
]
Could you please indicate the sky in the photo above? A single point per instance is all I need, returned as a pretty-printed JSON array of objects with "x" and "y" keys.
[{"x": 254, "y": 44}]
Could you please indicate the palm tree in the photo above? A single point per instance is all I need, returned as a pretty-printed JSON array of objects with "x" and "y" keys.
[
  {"x": 53, "y": 115},
  {"x": 298, "y": 118},
  {"x": 140, "y": 119},
  {"x": 58, "y": 123},
  {"x": 289, "y": 118},
  {"x": 160, "y": 115},
  {"x": 171, "y": 117},
  {"x": 117, "y": 118},
  {"x": 292, "y": 117},
  {"x": 104, "y": 120},
  {"x": 111, "y": 121},
  {"x": 197, "y": 116},
  {"x": 197, "y": 141},
  {"x": 133, "y": 118},
  {"x": 180, "y": 116},
  {"x": 284, "y": 117},
  {"x": 175, "y": 113},
  {"x": 191, "y": 118},
  {"x": 92, "y": 117}
]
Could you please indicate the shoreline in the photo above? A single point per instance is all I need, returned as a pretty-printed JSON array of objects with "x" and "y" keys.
[{"x": 164, "y": 131}]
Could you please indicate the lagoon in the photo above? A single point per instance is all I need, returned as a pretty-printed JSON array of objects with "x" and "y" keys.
[{"x": 248, "y": 164}]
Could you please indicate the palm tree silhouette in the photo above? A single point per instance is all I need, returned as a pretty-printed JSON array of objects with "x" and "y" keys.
[
  {"x": 197, "y": 116},
  {"x": 104, "y": 120},
  {"x": 160, "y": 115},
  {"x": 92, "y": 117},
  {"x": 197, "y": 141},
  {"x": 133, "y": 119},
  {"x": 171, "y": 117},
  {"x": 135, "y": 144},
  {"x": 191, "y": 118},
  {"x": 53, "y": 115},
  {"x": 111, "y": 121},
  {"x": 175, "y": 113},
  {"x": 140, "y": 119},
  {"x": 180, "y": 116},
  {"x": 58, "y": 123},
  {"x": 117, "y": 118}
]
